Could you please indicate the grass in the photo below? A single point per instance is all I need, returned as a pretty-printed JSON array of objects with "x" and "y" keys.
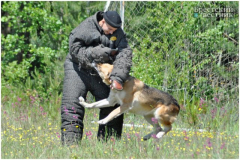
[{"x": 30, "y": 128}]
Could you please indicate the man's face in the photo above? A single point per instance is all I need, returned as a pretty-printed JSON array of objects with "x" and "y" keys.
[{"x": 107, "y": 28}]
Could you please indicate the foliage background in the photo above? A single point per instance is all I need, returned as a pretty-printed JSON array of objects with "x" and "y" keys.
[
  {"x": 192, "y": 57},
  {"x": 178, "y": 50}
]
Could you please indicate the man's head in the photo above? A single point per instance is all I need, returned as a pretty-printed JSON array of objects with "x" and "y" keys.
[{"x": 111, "y": 22}]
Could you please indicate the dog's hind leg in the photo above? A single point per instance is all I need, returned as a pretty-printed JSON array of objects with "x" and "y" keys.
[
  {"x": 156, "y": 127},
  {"x": 167, "y": 115},
  {"x": 165, "y": 130}
]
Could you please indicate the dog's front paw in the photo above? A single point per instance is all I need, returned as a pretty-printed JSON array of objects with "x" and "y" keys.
[
  {"x": 83, "y": 103},
  {"x": 102, "y": 121},
  {"x": 81, "y": 99}
]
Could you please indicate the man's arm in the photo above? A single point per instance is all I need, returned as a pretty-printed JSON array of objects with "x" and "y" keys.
[
  {"x": 84, "y": 47},
  {"x": 123, "y": 62}
]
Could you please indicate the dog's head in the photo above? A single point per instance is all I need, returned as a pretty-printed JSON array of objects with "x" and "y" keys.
[{"x": 104, "y": 70}]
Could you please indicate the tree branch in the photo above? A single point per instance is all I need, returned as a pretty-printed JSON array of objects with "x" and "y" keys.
[{"x": 230, "y": 38}]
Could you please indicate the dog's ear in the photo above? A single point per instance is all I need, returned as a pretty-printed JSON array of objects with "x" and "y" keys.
[
  {"x": 95, "y": 66},
  {"x": 108, "y": 74},
  {"x": 98, "y": 66}
]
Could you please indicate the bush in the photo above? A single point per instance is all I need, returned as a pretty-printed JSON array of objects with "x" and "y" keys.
[{"x": 181, "y": 51}]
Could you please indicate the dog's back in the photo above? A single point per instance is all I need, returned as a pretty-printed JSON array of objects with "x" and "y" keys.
[{"x": 158, "y": 96}]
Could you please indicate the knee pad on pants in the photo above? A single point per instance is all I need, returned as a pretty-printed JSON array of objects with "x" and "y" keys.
[{"x": 72, "y": 115}]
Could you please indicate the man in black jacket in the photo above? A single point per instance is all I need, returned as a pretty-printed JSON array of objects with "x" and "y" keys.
[{"x": 97, "y": 39}]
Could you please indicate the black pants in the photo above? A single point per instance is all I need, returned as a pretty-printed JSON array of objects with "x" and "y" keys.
[{"x": 78, "y": 83}]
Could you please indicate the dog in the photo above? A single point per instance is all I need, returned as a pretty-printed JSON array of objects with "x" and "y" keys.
[{"x": 138, "y": 98}]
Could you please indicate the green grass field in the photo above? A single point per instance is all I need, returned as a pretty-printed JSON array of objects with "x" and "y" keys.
[{"x": 30, "y": 128}]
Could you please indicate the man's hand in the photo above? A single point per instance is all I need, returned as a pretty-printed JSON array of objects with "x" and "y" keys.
[
  {"x": 116, "y": 85},
  {"x": 114, "y": 52},
  {"x": 100, "y": 54}
]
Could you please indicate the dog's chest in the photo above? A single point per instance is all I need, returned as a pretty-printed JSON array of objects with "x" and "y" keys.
[{"x": 120, "y": 95}]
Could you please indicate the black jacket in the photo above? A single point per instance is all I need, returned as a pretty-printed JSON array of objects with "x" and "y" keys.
[{"x": 88, "y": 35}]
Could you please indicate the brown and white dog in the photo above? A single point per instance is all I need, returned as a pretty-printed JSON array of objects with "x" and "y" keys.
[{"x": 138, "y": 98}]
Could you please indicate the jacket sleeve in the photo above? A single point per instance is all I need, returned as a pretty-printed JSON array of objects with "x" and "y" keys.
[
  {"x": 82, "y": 40},
  {"x": 123, "y": 62},
  {"x": 80, "y": 45}
]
